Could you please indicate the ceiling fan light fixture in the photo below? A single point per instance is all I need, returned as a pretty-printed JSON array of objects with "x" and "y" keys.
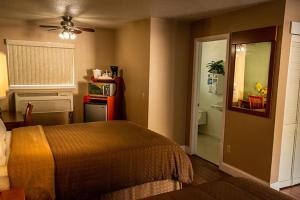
[
  {"x": 66, "y": 35},
  {"x": 61, "y": 36},
  {"x": 72, "y": 36}
]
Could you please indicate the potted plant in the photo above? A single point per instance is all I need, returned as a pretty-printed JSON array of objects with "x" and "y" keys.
[
  {"x": 215, "y": 76},
  {"x": 216, "y": 67}
]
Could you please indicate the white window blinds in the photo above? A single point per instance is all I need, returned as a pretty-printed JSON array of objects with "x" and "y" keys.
[
  {"x": 289, "y": 171},
  {"x": 293, "y": 83},
  {"x": 40, "y": 65}
]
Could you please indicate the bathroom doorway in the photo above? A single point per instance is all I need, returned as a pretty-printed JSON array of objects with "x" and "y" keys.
[{"x": 209, "y": 97}]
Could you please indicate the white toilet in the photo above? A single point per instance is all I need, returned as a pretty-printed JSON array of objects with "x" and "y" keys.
[{"x": 202, "y": 117}]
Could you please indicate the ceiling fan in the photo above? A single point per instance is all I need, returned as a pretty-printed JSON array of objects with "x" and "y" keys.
[{"x": 69, "y": 30}]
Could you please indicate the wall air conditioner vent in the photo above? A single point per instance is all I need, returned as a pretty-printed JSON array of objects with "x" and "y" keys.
[
  {"x": 45, "y": 102},
  {"x": 37, "y": 94}
]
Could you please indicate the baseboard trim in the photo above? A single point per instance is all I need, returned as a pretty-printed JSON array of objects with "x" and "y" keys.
[
  {"x": 233, "y": 171},
  {"x": 280, "y": 184},
  {"x": 185, "y": 148}
]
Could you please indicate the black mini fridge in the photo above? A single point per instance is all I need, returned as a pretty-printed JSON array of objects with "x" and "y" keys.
[{"x": 95, "y": 111}]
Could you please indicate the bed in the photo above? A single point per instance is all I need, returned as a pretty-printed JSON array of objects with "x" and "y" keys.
[
  {"x": 228, "y": 188},
  {"x": 97, "y": 160}
]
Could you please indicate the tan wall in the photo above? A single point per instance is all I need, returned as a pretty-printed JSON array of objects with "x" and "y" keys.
[
  {"x": 169, "y": 48},
  {"x": 250, "y": 137},
  {"x": 291, "y": 14},
  {"x": 132, "y": 55},
  {"x": 91, "y": 50}
]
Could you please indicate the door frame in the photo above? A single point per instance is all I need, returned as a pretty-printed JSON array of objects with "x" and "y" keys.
[{"x": 195, "y": 92}]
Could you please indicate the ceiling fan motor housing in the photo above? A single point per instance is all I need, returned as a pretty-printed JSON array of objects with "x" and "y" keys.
[
  {"x": 67, "y": 18},
  {"x": 66, "y": 24}
]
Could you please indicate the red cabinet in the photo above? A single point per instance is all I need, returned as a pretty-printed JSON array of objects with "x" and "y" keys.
[
  {"x": 109, "y": 101},
  {"x": 115, "y": 108}
]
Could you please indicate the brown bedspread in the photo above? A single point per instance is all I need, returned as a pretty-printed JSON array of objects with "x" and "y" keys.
[
  {"x": 31, "y": 164},
  {"x": 100, "y": 157},
  {"x": 227, "y": 189}
]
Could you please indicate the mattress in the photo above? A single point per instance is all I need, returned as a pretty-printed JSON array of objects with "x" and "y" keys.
[
  {"x": 93, "y": 159},
  {"x": 143, "y": 190},
  {"x": 226, "y": 189}
]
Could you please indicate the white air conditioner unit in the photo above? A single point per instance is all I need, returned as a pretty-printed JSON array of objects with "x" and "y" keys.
[{"x": 47, "y": 102}]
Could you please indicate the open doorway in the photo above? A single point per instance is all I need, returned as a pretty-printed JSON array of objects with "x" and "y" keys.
[{"x": 209, "y": 97}]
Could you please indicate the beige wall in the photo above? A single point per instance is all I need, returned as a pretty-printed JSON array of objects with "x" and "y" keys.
[
  {"x": 291, "y": 14},
  {"x": 129, "y": 48},
  {"x": 91, "y": 50},
  {"x": 132, "y": 55},
  {"x": 169, "y": 48},
  {"x": 250, "y": 137}
]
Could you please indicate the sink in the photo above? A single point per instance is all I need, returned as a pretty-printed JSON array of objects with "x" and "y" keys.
[{"x": 218, "y": 106}]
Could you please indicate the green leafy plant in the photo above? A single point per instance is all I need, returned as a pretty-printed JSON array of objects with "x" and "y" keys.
[{"x": 216, "y": 67}]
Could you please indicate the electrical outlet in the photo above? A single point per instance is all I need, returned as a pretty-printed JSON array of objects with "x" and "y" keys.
[{"x": 228, "y": 148}]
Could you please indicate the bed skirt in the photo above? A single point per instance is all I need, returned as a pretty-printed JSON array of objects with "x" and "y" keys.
[{"x": 143, "y": 190}]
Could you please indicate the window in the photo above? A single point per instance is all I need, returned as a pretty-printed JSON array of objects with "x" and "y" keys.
[{"x": 40, "y": 65}]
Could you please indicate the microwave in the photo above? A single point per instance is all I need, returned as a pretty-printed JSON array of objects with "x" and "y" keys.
[{"x": 101, "y": 89}]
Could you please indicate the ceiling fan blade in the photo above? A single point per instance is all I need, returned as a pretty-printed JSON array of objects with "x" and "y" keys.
[
  {"x": 50, "y": 26},
  {"x": 85, "y": 29},
  {"x": 53, "y": 29},
  {"x": 76, "y": 31}
]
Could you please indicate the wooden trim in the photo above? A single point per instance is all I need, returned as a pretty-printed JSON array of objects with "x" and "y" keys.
[
  {"x": 230, "y": 79},
  {"x": 267, "y": 34},
  {"x": 235, "y": 172},
  {"x": 254, "y": 36}
]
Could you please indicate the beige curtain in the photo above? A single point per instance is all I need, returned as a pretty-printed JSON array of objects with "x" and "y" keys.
[{"x": 3, "y": 75}]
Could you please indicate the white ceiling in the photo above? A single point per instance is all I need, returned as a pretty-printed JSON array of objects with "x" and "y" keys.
[{"x": 111, "y": 13}]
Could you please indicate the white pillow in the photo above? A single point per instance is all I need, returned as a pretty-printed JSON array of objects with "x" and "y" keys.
[
  {"x": 5, "y": 138},
  {"x": 2, "y": 127},
  {"x": 7, "y": 143},
  {"x": 2, "y": 149}
]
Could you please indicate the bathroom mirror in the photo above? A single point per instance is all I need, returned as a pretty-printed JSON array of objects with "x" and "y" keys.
[{"x": 251, "y": 71}]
